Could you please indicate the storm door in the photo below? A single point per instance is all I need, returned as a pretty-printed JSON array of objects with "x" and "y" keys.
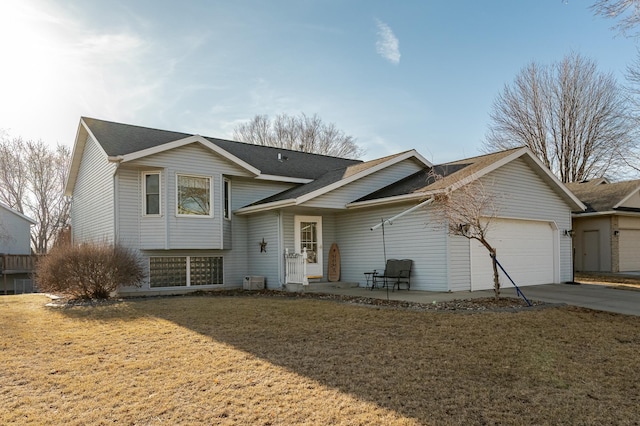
[{"x": 308, "y": 234}]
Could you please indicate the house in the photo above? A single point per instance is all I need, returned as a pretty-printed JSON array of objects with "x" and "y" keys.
[
  {"x": 16, "y": 262},
  {"x": 607, "y": 233},
  {"x": 206, "y": 212}
]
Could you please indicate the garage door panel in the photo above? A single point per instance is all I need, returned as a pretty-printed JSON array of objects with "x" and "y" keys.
[
  {"x": 523, "y": 248},
  {"x": 629, "y": 250}
]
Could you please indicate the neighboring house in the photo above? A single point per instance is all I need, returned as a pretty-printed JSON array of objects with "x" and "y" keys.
[
  {"x": 607, "y": 234},
  {"x": 206, "y": 212},
  {"x": 16, "y": 262}
]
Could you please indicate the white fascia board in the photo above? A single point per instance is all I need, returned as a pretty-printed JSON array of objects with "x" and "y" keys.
[
  {"x": 283, "y": 179},
  {"x": 624, "y": 200},
  {"x": 17, "y": 213},
  {"x": 265, "y": 207},
  {"x": 420, "y": 158},
  {"x": 76, "y": 156},
  {"x": 607, "y": 213},
  {"x": 186, "y": 141},
  {"x": 359, "y": 175}
]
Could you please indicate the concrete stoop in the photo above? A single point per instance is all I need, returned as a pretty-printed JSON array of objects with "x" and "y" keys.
[{"x": 318, "y": 286}]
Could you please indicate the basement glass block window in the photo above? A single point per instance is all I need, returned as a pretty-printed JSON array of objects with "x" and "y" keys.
[
  {"x": 167, "y": 271},
  {"x": 185, "y": 271},
  {"x": 206, "y": 270}
]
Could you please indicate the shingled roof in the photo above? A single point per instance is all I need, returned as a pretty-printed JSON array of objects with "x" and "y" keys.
[
  {"x": 600, "y": 196},
  {"x": 118, "y": 139},
  {"x": 439, "y": 177},
  {"x": 331, "y": 177}
]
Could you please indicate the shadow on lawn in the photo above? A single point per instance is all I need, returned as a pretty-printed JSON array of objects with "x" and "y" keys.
[
  {"x": 440, "y": 368},
  {"x": 407, "y": 362}
]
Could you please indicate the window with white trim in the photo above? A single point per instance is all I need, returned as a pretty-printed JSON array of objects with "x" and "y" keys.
[
  {"x": 185, "y": 271},
  {"x": 226, "y": 194},
  {"x": 151, "y": 191},
  {"x": 193, "y": 195}
]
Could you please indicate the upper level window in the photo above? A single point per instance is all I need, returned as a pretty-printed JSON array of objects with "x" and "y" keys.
[
  {"x": 194, "y": 195},
  {"x": 227, "y": 198},
  {"x": 151, "y": 193}
]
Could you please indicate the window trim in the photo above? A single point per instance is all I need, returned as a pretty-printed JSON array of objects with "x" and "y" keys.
[
  {"x": 226, "y": 198},
  {"x": 144, "y": 193},
  {"x": 211, "y": 204}
]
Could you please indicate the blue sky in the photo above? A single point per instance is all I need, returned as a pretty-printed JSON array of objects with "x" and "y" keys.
[{"x": 395, "y": 75}]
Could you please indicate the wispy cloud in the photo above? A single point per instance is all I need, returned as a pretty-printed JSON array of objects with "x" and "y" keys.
[{"x": 387, "y": 44}]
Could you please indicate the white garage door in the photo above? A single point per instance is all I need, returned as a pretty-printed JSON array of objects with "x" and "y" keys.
[
  {"x": 525, "y": 249},
  {"x": 629, "y": 250}
]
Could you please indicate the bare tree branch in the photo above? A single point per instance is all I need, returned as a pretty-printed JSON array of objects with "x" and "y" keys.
[
  {"x": 626, "y": 12},
  {"x": 32, "y": 177},
  {"x": 299, "y": 133},
  {"x": 574, "y": 118}
]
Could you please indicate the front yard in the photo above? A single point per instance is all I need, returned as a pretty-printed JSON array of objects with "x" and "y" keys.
[{"x": 260, "y": 360}]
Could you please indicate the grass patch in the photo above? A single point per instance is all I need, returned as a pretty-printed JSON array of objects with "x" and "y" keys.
[{"x": 254, "y": 360}]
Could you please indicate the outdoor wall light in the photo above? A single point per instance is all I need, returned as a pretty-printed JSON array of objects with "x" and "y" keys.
[
  {"x": 569, "y": 232},
  {"x": 616, "y": 233}
]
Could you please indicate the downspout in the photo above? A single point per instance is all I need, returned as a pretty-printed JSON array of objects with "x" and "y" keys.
[
  {"x": 166, "y": 209},
  {"x": 116, "y": 206},
  {"x": 280, "y": 249}
]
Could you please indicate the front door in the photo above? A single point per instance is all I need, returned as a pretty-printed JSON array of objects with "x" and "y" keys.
[{"x": 308, "y": 234}]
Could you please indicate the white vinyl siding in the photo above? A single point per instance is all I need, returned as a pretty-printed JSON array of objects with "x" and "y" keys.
[
  {"x": 170, "y": 231},
  {"x": 415, "y": 236},
  {"x": 459, "y": 263},
  {"x": 248, "y": 191},
  {"x": 15, "y": 233},
  {"x": 92, "y": 206},
  {"x": 264, "y": 226}
]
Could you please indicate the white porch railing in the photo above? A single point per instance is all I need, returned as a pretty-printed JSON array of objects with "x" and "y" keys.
[{"x": 295, "y": 267}]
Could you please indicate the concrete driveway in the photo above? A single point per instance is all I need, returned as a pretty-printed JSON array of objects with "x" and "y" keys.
[{"x": 585, "y": 295}]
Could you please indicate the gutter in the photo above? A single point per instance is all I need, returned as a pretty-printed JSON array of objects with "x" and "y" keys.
[{"x": 265, "y": 207}]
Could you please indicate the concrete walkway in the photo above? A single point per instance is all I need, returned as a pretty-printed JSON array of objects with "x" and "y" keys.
[{"x": 585, "y": 295}]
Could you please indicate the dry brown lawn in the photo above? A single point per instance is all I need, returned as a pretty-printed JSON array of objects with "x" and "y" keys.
[{"x": 275, "y": 361}]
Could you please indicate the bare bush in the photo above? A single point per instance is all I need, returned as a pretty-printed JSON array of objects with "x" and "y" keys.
[{"x": 89, "y": 271}]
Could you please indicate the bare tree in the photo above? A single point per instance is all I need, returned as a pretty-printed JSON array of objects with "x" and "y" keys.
[
  {"x": 574, "y": 118},
  {"x": 468, "y": 211},
  {"x": 627, "y": 12},
  {"x": 631, "y": 157},
  {"x": 299, "y": 133},
  {"x": 32, "y": 177}
]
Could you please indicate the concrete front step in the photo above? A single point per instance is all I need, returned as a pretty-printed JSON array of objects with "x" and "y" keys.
[{"x": 318, "y": 286}]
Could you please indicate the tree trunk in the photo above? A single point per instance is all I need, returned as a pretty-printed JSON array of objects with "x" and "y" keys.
[{"x": 496, "y": 277}]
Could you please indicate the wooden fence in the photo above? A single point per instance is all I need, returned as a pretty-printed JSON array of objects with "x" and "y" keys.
[{"x": 17, "y": 263}]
